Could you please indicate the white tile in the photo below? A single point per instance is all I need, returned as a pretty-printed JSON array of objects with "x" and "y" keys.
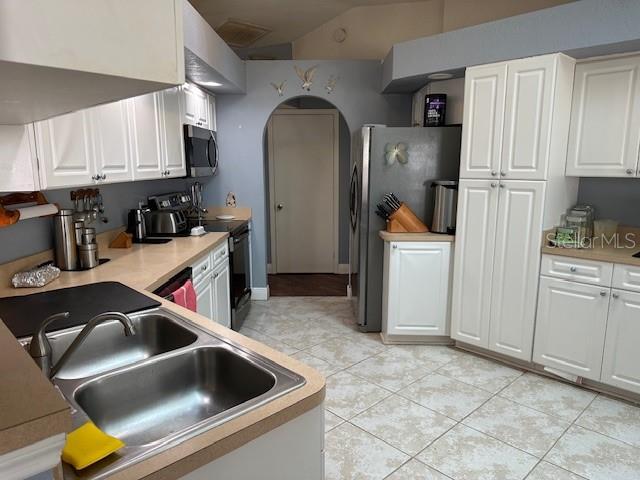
[
  {"x": 445, "y": 395},
  {"x": 613, "y": 418},
  {"x": 322, "y": 366},
  {"x": 348, "y": 395},
  {"x": 480, "y": 372},
  {"x": 546, "y": 471},
  {"x": 403, "y": 424},
  {"x": 519, "y": 426},
  {"x": 267, "y": 340},
  {"x": 331, "y": 420},
  {"x": 343, "y": 352},
  {"x": 466, "y": 454},
  {"x": 595, "y": 456},
  {"x": 431, "y": 356},
  {"x": 390, "y": 370},
  {"x": 415, "y": 470},
  {"x": 549, "y": 396},
  {"x": 351, "y": 453}
]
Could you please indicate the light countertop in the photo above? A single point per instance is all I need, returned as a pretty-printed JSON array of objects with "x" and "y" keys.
[
  {"x": 31, "y": 409},
  {"x": 416, "y": 237},
  {"x": 620, "y": 252}
]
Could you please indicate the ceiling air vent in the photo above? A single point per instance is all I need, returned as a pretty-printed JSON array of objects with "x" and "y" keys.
[{"x": 239, "y": 34}]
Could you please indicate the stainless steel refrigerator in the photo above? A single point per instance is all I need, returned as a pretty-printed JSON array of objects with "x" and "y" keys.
[{"x": 432, "y": 153}]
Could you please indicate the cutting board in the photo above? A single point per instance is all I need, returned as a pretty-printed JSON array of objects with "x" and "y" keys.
[{"x": 23, "y": 314}]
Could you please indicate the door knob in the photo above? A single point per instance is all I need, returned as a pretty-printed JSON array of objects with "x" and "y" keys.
[{"x": 280, "y": 206}]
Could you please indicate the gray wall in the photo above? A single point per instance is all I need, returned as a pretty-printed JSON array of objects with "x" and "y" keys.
[
  {"x": 243, "y": 118},
  {"x": 580, "y": 29},
  {"x": 344, "y": 164},
  {"x": 35, "y": 235},
  {"x": 614, "y": 198}
]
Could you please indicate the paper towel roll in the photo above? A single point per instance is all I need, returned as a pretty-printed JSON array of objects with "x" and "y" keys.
[{"x": 37, "y": 211}]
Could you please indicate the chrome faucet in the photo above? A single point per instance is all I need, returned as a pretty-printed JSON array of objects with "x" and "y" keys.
[{"x": 40, "y": 348}]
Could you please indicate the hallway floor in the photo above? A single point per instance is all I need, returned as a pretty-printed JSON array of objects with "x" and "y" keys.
[{"x": 434, "y": 412}]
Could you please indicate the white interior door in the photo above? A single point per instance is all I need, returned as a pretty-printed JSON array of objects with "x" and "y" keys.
[
  {"x": 473, "y": 264},
  {"x": 516, "y": 267},
  {"x": 303, "y": 163}
]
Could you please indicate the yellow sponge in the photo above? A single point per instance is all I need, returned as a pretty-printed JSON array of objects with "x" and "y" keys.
[{"x": 87, "y": 445}]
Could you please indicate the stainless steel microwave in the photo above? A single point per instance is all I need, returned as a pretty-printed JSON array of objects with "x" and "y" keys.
[{"x": 201, "y": 151}]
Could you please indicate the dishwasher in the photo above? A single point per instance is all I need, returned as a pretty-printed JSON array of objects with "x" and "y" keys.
[{"x": 174, "y": 283}]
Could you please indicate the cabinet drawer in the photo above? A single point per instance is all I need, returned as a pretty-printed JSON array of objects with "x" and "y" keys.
[
  {"x": 201, "y": 268},
  {"x": 577, "y": 269},
  {"x": 626, "y": 277},
  {"x": 220, "y": 254}
]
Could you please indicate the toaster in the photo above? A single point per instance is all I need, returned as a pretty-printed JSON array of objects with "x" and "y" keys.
[{"x": 165, "y": 222}]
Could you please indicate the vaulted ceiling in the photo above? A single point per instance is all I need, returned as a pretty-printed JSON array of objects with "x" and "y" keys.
[{"x": 288, "y": 19}]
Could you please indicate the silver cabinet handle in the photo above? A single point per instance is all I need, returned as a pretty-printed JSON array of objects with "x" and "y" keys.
[
  {"x": 104, "y": 176},
  {"x": 494, "y": 184},
  {"x": 493, "y": 173},
  {"x": 204, "y": 267},
  {"x": 603, "y": 293},
  {"x": 395, "y": 246},
  {"x": 95, "y": 177},
  {"x": 572, "y": 269},
  {"x": 216, "y": 275},
  {"x": 615, "y": 295},
  {"x": 629, "y": 171},
  {"x": 502, "y": 185},
  {"x": 503, "y": 173}
]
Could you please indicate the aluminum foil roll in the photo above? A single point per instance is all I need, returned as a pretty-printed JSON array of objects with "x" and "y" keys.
[{"x": 38, "y": 277}]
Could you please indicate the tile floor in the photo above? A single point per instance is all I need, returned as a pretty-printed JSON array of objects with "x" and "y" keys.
[{"x": 433, "y": 412}]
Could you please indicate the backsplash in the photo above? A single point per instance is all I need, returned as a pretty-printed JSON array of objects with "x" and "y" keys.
[
  {"x": 613, "y": 198},
  {"x": 35, "y": 235}
]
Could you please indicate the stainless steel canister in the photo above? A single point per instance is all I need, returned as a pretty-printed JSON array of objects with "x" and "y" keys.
[
  {"x": 445, "y": 206},
  {"x": 88, "y": 236},
  {"x": 66, "y": 249},
  {"x": 88, "y": 256}
]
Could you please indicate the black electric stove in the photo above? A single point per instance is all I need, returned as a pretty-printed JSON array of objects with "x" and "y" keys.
[{"x": 233, "y": 227}]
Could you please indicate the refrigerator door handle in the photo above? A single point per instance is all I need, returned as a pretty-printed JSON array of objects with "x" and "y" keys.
[{"x": 353, "y": 198}]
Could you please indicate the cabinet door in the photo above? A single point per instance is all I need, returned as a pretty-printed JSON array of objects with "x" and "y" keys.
[
  {"x": 570, "y": 326},
  {"x": 527, "y": 122},
  {"x": 18, "y": 161},
  {"x": 222, "y": 295},
  {"x": 205, "y": 297},
  {"x": 484, "y": 93},
  {"x": 211, "y": 102},
  {"x": 195, "y": 106},
  {"x": 65, "y": 153},
  {"x": 172, "y": 135},
  {"x": 146, "y": 136},
  {"x": 621, "y": 360},
  {"x": 516, "y": 267},
  {"x": 473, "y": 264},
  {"x": 605, "y": 119},
  {"x": 111, "y": 142},
  {"x": 418, "y": 288}
]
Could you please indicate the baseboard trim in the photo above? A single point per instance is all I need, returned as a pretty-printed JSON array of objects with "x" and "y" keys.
[
  {"x": 269, "y": 269},
  {"x": 260, "y": 293}
]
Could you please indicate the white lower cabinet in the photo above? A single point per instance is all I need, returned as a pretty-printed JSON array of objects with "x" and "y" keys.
[
  {"x": 570, "y": 326},
  {"x": 204, "y": 297},
  {"x": 621, "y": 360},
  {"x": 416, "y": 288},
  {"x": 222, "y": 294}
]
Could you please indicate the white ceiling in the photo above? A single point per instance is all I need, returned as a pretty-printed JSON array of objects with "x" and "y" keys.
[{"x": 289, "y": 19}]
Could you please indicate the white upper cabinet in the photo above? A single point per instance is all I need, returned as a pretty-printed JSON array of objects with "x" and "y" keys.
[
  {"x": 111, "y": 142},
  {"x": 473, "y": 263},
  {"x": 482, "y": 125},
  {"x": 621, "y": 360},
  {"x": 146, "y": 136},
  {"x": 172, "y": 135},
  {"x": 65, "y": 151},
  {"x": 416, "y": 288},
  {"x": 18, "y": 161},
  {"x": 197, "y": 108},
  {"x": 605, "y": 119},
  {"x": 528, "y": 106},
  {"x": 516, "y": 267},
  {"x": 516, "y": 118},
  {"x": 570, "y": 327}
]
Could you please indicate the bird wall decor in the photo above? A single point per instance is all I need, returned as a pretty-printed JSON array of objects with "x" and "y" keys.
[
  {"x": 331, "y": 84},
  {"x": 306, "y": 76},
  {"x": 279, "y": 88}
]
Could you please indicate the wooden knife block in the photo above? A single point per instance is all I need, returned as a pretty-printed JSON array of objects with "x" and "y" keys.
[{"x": 404, "y": 220}]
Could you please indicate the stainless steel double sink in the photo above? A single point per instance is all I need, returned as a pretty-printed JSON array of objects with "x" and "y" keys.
[{"x": 169, "y": 382}]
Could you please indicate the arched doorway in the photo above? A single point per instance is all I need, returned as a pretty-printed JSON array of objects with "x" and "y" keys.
[{"x": 307, "y": 160}]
